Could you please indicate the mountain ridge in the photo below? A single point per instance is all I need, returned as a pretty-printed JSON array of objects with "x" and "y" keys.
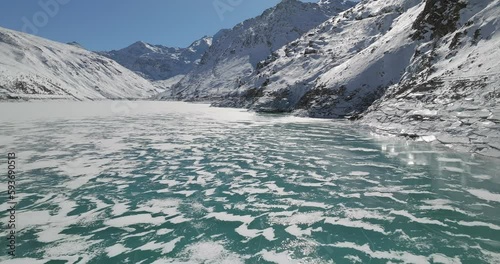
[
  {"x": 421, "y": 69},
  {"x": 235, "y": 52},
  {"x": 37, "y": 68},
  {"x": 158, "y": 62}
]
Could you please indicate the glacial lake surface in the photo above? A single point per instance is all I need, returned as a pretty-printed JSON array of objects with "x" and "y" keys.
[{"x": 167, "y": 182}]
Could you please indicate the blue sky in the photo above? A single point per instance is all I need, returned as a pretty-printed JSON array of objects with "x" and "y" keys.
[{"x": 114, "y": 24}]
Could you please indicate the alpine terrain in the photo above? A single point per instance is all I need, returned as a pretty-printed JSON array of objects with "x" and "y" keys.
[
  {"x": 164, "y": 66},
  {"x": 395, "y": 88},
  {"x": 36, "y": 68},
  {"x": 236, "y": 53},
  {"x": 421, "y": 69}
]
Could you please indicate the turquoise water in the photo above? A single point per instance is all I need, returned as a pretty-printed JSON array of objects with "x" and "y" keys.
[{"x": 159, "y": 182}]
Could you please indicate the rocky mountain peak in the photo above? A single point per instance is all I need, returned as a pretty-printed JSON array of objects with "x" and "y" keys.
[
  {"x": 235, "y": 53},
  {"x": 157, "y": 62}
]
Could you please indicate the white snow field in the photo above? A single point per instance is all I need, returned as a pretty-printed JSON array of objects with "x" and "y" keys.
[{"x": 35, "y": 68}]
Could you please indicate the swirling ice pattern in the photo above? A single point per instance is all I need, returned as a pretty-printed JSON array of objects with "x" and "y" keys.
[{"x": 180, "y": 183}]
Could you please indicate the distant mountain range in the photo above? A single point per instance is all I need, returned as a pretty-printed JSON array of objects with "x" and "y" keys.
[{"x": 160, "y": 63}]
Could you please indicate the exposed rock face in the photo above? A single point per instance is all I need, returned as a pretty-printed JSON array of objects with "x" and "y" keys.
[
  {"x": 340, "y": 67},
  {"x": 450, "y": 92},
  {"x": 421, "y": 69},
  {"x": 439, "y": 17},
  {"x": 75, "y": 44},
  {"x": 36, "y": 68},
  {"x": 236, "y": 53}
]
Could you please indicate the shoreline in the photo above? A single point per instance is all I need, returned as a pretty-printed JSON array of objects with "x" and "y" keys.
[{"x": 454, "y": 142}]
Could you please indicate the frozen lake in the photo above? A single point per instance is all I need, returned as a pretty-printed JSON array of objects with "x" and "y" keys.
[{"x": 164, "y": 182}]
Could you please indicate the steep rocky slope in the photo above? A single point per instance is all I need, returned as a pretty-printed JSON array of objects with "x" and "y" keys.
[
  {"x": 450, "y": 92},
  {"x": 236, "y": 53},
  {"x": 422, "y": 69},
  {"x": 341, "y": 57},
  {"x": 36, "y": 68},
  {"x": 162, "y": 65}
]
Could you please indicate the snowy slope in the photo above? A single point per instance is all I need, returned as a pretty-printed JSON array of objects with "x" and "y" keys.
[
  {"x": 450, "y": 91},
  {"x": 76, "y": 44},
  {"x": 305, "y": 73},
  {"x": 236, "y": 53},
  {"x": 163, "y": 65},
  {"x": 422, "y": 69},
  {"x": 350, "y": 87},
  {"x": 36, "y": 68}
]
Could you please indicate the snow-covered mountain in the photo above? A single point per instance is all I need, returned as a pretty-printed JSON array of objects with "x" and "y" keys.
[
  {"x": 425, "y": 69},
  {"x": 450, "y": 90},
  {"x": 76, "y": 44},
  {"x": 37, "y": 68},
  {"x": 410, "y": 67},
  {"x": 162, "y": 65},
  {"x": 235, "y": 53},
  {"x": 340, "y": 67}
]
